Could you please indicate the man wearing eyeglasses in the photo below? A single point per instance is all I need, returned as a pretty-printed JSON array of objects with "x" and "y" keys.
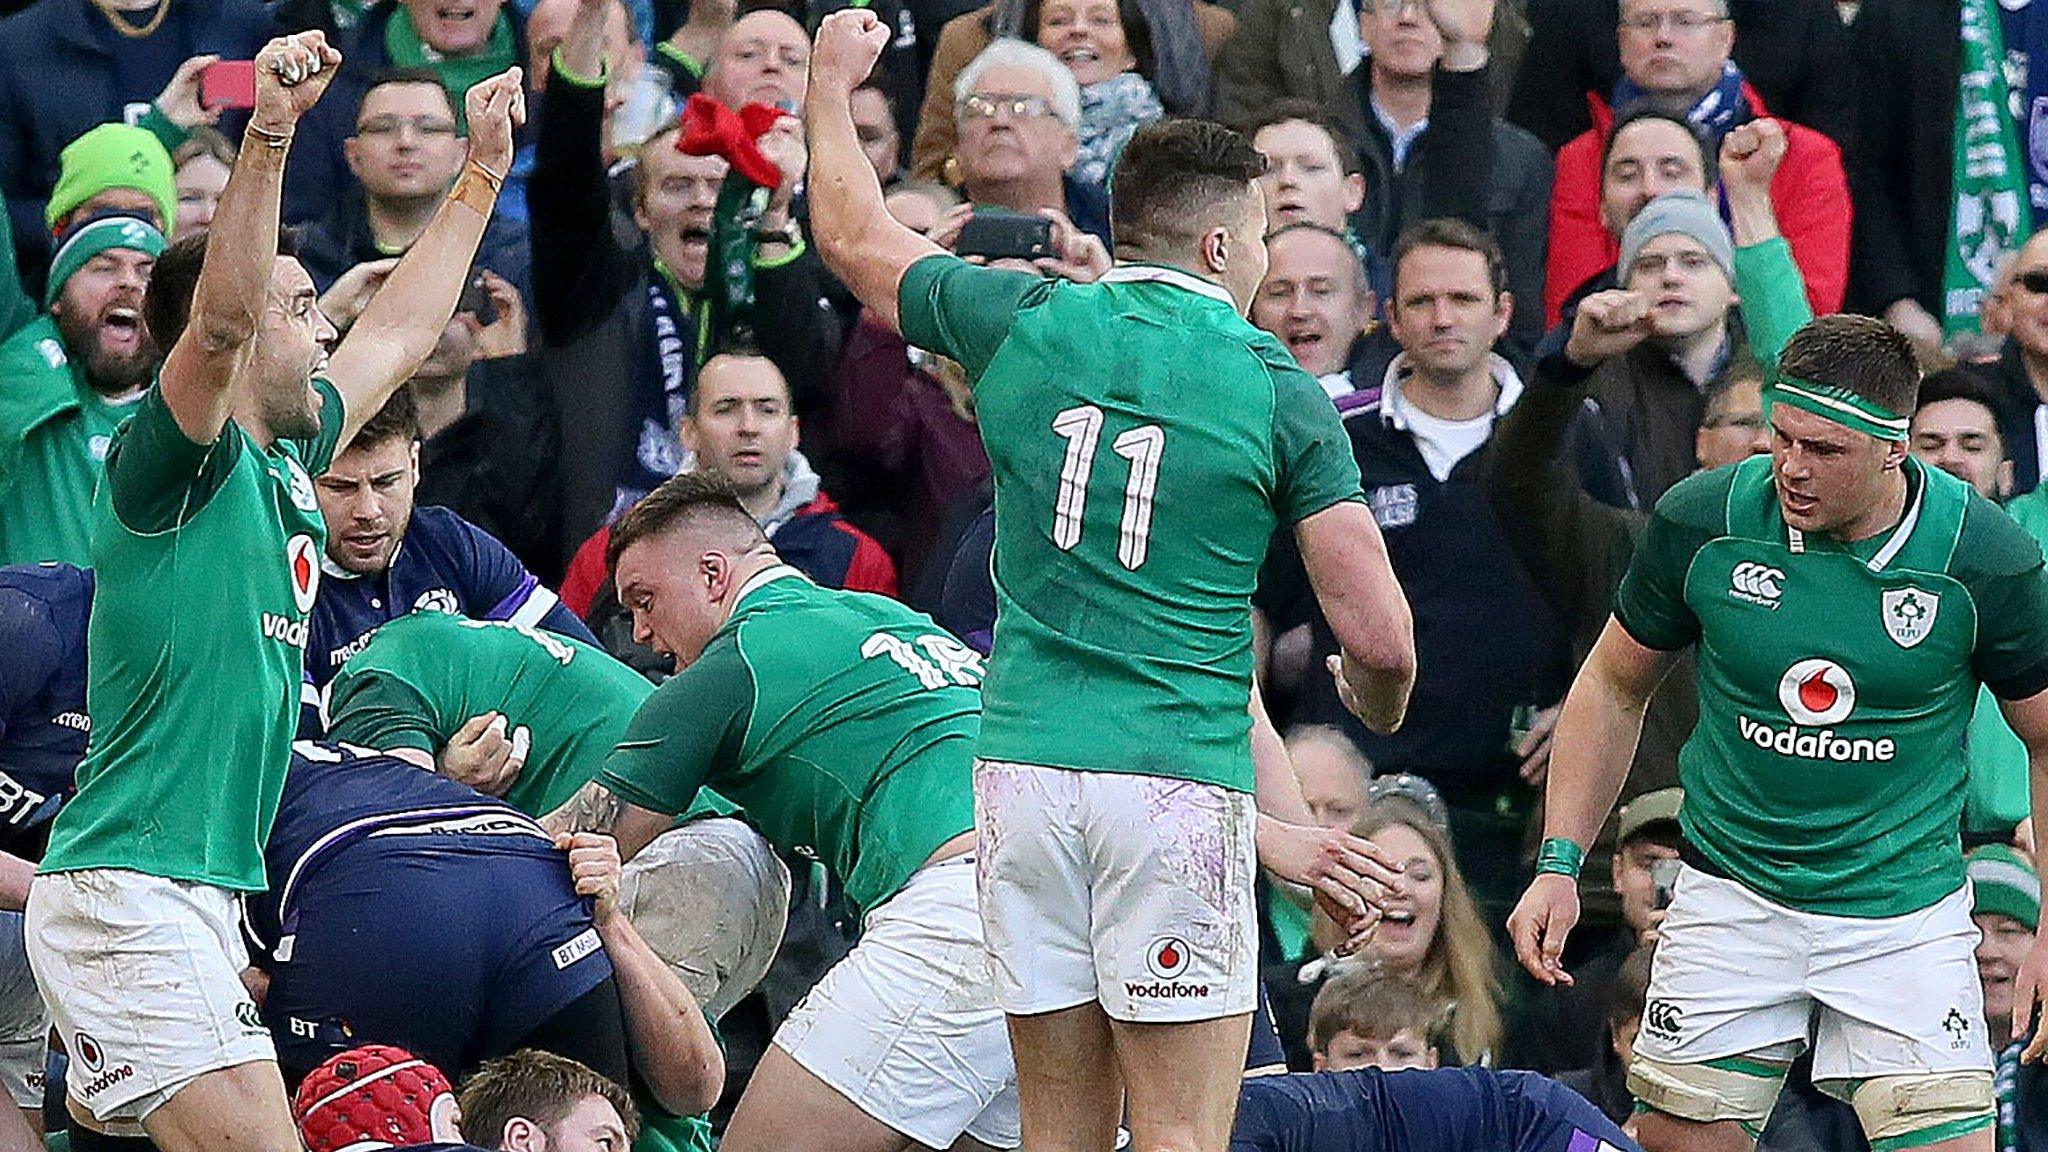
[
  {"x": 406, "y": 151},
  {"x": 1675, "y": 57},
  {"x": 1018, "y": 109}
]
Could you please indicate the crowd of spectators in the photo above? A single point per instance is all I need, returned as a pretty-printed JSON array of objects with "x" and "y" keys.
[{"x": 1447, "y": 194}]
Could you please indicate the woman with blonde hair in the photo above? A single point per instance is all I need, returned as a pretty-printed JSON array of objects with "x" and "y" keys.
[{"x": 1432, "y": 935}]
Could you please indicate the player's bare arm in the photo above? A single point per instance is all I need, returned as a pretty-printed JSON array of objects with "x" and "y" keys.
[
  {"x": 2029, "y": 720},
  {"x": 234, "y": 285},
  {"x": 1348, "y": 875},
  {"x": 1590, "y": 755},
  {"x": 596, "y": 808},
  {"x": 401, "y": 324},
  {"x": 673, "y": 1048},
  {"x": 857, "y": 238},
  {"x": 1368, "y": 613}
]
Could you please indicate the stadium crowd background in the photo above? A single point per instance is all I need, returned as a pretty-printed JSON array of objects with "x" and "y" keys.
[{"x": 1441, "y": 204}]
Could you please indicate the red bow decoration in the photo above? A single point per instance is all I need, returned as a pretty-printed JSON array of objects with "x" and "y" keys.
[{"x": 712, "y": 129}]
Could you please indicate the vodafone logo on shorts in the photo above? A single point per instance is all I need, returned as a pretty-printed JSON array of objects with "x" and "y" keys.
[
  {"x": 94, "y": 1060},
  {"x": 302, "y": 564},
  {"x": 1167, "y": 957},
  {"x": 1817, "y": 691},
  {"x": 90, "y": 1053}
]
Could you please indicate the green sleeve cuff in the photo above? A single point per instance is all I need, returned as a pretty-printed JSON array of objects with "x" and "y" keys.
[
  {"x": 159, "y": 125},
  {"x": 573, "y": 76},
  {"x": 795, "y": 250}
]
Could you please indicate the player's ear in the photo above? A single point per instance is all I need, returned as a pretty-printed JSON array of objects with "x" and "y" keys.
[{"x": 522, "y": 1135}]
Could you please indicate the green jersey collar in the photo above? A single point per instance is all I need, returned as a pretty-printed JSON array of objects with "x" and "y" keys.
[
  {"x": 1916, "y": 499},
  {"x": 1161, "y": 274}
]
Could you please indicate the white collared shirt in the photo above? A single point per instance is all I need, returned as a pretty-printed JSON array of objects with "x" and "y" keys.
[{"x": 1443, "y": 443}]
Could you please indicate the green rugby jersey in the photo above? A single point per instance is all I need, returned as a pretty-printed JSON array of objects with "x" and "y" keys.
[
  {"x": 1835, "y": 680},
  {"x": 424, "y": 675},
  {"x": 842, "y": 722},
  {"x": 1146, "y": 441},
  {"x": 208, "y": 560}
]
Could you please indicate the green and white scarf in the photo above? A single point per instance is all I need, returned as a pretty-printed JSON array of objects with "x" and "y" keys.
[{"x": 1990, "y": 216}]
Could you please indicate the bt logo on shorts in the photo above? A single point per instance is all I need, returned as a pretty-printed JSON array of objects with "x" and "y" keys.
[
  {"x": 1759, "y": 584},
  {"x": 1663, "y": 1019}
]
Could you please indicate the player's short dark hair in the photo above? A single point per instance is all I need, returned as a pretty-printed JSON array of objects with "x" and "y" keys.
[
  {"x": 1445, "y": 232},
  {"x": 1866, "y": 356},
  {"x": 1636, "y": 113},
  {"x": 404, "y": 74},
  {"x": 537, "y": 1086},
  {"x": 398, "y": 419},
  {"x": 1295, "y": 108},
  {"x": 1631, "y": 991},
  {"x": 696, "y": 496},
  {"x": 167, "y": 302},
  {"x": 1177, "y": 179},
  {"x": 1958, "y": 383},
  {"x": 1371, "y": 1004}
]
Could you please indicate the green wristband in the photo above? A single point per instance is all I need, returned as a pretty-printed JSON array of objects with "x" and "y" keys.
[{"x": 1561, "y": 856}]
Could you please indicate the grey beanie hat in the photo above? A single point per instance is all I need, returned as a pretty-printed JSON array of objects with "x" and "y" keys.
[{"x": 1687, "y": 213}]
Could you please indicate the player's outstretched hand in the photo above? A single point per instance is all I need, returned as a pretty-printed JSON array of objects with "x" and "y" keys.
[
  {"x": 495, "y": 109},
  {"x": 1348, "y": 875},
  {"x": 485, "y": 755},
  {"x": 291, "y": 73},
  {"x": 596, "y": 869},
  {"x": 1548, "y": 912},
  {"x": 849, "y": 42}
]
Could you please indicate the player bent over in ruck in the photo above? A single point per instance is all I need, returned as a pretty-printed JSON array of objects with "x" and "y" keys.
[
  {"x": 206, "y": 542},
  {"x": 1845, "y": 602}
]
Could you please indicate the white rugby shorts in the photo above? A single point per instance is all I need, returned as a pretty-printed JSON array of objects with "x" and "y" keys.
[
  {"x": 143, "y": 977},
  {"x": 907, "y": 1026},
  {"x": 1739, "y": 975},
  {"x": 1135, "y": 891}
]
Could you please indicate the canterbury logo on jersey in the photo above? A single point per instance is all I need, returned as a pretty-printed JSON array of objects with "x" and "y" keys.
[{"x": 1754, "y": 583}]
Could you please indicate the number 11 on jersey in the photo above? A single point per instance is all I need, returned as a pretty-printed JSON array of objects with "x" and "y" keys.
[{"x": 1142, "y": 446}]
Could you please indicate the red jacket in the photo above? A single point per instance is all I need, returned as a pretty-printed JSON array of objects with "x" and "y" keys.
[
  {"x": 815, "y": 541},
  {"x": 1810, "y": 193}
]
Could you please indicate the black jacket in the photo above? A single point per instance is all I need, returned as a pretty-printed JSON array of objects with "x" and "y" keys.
[
  {"x": 1795, "y": 53},
  {"x": 590, "y": 307},
  {"x": 1469, "y": 164},
  {"x": 1900, "y": 168},
  {"x": 496, "y": 464},
  {"x": 2018, "y": 401}
]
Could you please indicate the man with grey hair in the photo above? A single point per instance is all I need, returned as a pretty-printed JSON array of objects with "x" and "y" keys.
[
  {"x": 1316, "y": 301},
  {"x": 1017, "y": 109}
]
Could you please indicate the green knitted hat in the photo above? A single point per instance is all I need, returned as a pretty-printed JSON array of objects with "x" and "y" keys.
[
  {"x": 113, "y": 156},
  {"x": 2005, "y": 885},
  {"x": 88, "y": 238}
]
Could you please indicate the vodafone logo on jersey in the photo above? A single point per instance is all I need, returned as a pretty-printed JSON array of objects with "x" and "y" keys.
[
  {"x": 1816, "y": 691},
  {"x": 302, "y": 564}
]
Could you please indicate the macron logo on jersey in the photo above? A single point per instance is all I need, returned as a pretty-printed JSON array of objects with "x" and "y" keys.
[{"x": 1758, "y": 584}]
